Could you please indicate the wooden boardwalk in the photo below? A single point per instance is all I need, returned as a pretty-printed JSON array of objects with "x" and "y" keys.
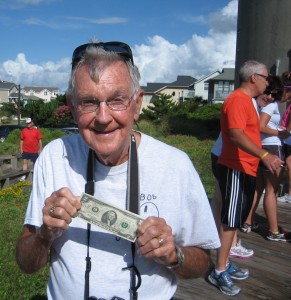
[{"x": 270, "y": 267}]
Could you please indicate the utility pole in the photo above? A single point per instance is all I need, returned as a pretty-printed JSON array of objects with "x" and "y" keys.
[{"x": 18, "y": 106}]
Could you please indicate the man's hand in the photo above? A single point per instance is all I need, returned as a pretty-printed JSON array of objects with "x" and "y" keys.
[
  {"x": 272, "y": 162},
  {"x": 156, "y": 241},
  {"x": 33, "y": 246},
  {"x": 59, "y": 210}
]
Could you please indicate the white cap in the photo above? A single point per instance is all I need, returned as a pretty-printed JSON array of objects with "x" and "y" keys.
[{"x": 28, "y": 120}]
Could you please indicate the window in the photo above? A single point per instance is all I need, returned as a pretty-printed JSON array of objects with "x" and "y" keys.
[
  {"x": 206, "y": 86},
  {"x": 220, "y": 86}
]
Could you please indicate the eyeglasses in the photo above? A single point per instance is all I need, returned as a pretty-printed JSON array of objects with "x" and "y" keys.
[
  {"x": 116, "y": 104},
  {"x": 276, "y": 94},
  {"x": 264, "y": 76},
  {"x": 120, "y": 48}
]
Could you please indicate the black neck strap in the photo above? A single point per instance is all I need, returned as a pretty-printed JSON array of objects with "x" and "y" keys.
[{"x": 132, "y": 205}]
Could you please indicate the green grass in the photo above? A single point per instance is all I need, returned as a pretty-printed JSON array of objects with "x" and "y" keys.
[
  {"x": 14, "y": 283},
  {"x": 13, "y": 202}
]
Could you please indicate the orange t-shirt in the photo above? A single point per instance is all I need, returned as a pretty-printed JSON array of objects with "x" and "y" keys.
[{"x": 238, "y": 111}]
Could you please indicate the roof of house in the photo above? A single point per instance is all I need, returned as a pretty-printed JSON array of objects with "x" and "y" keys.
[
  {"x": 39, "y": 89},
  {"x": 181, "y": 82},
  {"x": 206, "y": 76},
  {"x": 225, "y": 74},
  {"x": 152, "y": 87},
  {"x": 5, "y": 85}
]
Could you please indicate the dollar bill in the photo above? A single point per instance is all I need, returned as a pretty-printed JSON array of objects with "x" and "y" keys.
[{"x": 121, "y": 222}]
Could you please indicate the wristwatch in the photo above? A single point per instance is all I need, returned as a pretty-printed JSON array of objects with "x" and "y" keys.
[{"x": 181, "y": 258}]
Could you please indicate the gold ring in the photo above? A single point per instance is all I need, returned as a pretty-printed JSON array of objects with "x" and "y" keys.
[
  {"x": 52, "y": 211},
  {"x": 161, "y": 242}
]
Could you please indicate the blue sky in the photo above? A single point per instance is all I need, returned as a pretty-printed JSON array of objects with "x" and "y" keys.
[{"x": 168, "y": 38}]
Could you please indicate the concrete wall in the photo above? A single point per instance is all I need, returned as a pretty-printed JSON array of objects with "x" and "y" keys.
[{"x": 263, "y": 34}]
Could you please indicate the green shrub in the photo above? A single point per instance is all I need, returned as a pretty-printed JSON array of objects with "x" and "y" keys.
[
  {"x": 11, "y": 145},
  {"x": 203, "y": 123}
]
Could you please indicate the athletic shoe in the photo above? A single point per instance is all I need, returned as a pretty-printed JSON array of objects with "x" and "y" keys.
[
  {"x": 247, "y": 228},
  {"x": 278, "y": 237},
  {"x": 224, "y": 283},
  {"x": 286, "y": 198},
  {"x": 240, "y": 251},
  {"x": 236, "y": 272}
]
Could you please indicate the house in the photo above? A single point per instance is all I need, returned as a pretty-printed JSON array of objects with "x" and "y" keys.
[
  {"x": 201, "y": 86},
  {"x": 179, "y": 89},
  {"x": 221, "y": 85},
  {"x": 6, "y": 89},
  {"x": 45, "y": 93}
]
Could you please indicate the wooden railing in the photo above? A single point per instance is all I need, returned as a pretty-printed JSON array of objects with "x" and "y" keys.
[{"x": 11, "y": 170}]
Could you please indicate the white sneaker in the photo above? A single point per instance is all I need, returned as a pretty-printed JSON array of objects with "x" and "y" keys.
[
  {"x": 240, "y": 251},
  {"x": 286, "y": 198}
]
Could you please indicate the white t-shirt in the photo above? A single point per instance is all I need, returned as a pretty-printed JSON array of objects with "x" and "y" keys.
[
  {"x": 273, "y": 111},
  {"x": 170, "y": 188}
]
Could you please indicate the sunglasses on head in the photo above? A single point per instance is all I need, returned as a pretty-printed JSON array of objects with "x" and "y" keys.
[{"x": 120, "y": 48}]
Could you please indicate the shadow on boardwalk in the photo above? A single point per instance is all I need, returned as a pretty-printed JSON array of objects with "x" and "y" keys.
[{"x": 270, "y": 267}]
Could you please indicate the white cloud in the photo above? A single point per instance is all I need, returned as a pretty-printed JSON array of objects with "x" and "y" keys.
[
  {"x": 20, "y": 71},
  {"x": 158, "y": 59},
  {"x": 161, "y": 61},
  {"x": 111, "y": 20}
]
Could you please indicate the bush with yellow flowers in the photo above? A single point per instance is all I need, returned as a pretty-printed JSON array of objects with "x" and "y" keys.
[{"x": 18, "y": 190}]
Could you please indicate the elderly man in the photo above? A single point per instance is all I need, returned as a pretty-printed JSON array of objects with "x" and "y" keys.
[
  {"x": 105, "y": 99},
  {"x": 237, "y": 168}
]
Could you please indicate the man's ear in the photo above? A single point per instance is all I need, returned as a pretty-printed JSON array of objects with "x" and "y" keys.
[
  {"x": 138, "y": 104},
  {"x": 71, "y": 108},
  {"x": 253, "y": 78}
]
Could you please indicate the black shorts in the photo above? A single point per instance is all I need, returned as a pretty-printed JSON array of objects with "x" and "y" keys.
[
  {"x": 287, "y": 150},
  {"x": 237, "y": 191},
  {"x": 32, "y": 156}
]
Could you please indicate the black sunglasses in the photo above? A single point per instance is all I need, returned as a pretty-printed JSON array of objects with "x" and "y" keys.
[
  {"x": 120, "y": 48},
  {"x": 276, "y": 95}
]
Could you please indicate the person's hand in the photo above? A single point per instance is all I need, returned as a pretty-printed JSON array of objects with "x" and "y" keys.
[
  {"x": 156, "y": 241},
  {"x": 58, "y": 212},
  {"x": 272, "y": 162},
  {"x": 283, "y": 134}
]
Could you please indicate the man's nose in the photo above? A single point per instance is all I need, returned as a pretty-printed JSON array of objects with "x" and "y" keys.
[{"x": 103, "y": 113}]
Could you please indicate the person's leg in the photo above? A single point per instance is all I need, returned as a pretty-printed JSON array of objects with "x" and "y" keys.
[
  {"x": 216, "y": 205},
  {"x": 288, "y": 164},
  {"x": 226, "y": 237},
  {"x": 270, "y": 200},
  {"x": 24, "y": 164},
  {"x": 260, "y": 185}
]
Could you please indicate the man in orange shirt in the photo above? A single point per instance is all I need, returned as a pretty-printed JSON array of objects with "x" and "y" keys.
[
  {"x": 30, "y": 143},
  {"x": 237, "y": 166}
]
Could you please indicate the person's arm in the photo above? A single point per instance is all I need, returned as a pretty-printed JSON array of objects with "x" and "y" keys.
[
  {"x": 33, "y": 245},
  {"x": 196, "y": 263},
  {"x": 196, "y": 260},
  {"x": 32, "y": 248},
  {"x": 39, "y": 145},
  {"x": 21, "y": 146},
  {"x": 264, "y": 128},
  {"x": 240, "y": 139}
]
